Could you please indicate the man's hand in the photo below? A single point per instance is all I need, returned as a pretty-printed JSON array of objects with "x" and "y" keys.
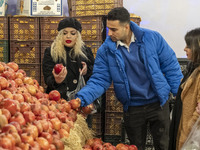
[{"x": 61, "y": 76}]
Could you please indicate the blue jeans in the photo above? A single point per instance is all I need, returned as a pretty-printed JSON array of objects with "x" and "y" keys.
[{"x": 135, "y": 122}]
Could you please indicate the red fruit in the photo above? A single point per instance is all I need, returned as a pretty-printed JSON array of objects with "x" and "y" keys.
[
  {"x": 3, "y": 83},
  {"x": 18, "y": 117},
  {"x": 54, "y": 95},
  {"x": 75, "y": 103},
  {"x": 9, "y": 104},
  {"x": 28, "y": 80},
  {"x": 90, "y": 142},
  {"x": 107, "y": 145},
  {"x": 9, "y": 75},
  {"x": 63, "y": 133},
  {"x": 44, "y": 144},
  {"x": 18, "y": 97},
  {"x": 39, "y": 95},
  {"x": 24, "y": 106},
  {"x": 2, "y": 97},
  {"x": 6, "y": 112},
  {"x": 59, "y": 144},
  {"x": 58, "y": 68},
  {"x": 6, "y": 143},
  {"x": 39, "y": 126},
  {"x": 133, "y": 147},
  {"x": 1, "y": 68},
  {"x": 56, "y": 123},
  {"x": 88, "y": 109},
  {"x": 6, "y": 94},
  {"x": 32, "y": 130},
  {"x": 98, "y": 146},
  {"x": 27, "y": 138},
  {"x": 17, "y": 126},
  {"x": 119, "y": 146},
  {"x": 47, "y": 136},
  {"x": 67, "y": 106},
  {"x": 29, "y": 116},
  {"x": 13, "y": 65},
  {"x": 22, "y": 71},
  {"x": 87, "y": 147},
  {"x": 36, "y": 108},
  {"x": 51, "y": 114},
  {"x": 9, "y": 128}
]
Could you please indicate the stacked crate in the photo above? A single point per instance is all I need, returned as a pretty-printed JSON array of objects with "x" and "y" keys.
[
  {"x": 4, "y": 47},
  {"x": 113, "y": 118},
  {"x": 135, "y": 18},
  {"x": 24, "y": 44},
  {"x": 92, "y": 7},
  {"x": 95, "y": 121},
  {"x": 91, "y": 33},
  {"x": 48, "y": 32}
]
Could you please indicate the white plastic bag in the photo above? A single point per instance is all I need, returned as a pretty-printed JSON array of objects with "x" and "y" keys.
[
  {"x": 80, "y": 85},
  {"x": 193, "y": 140}
]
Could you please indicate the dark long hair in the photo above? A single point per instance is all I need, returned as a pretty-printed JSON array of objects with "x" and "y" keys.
[{"x": 192, "y": 39}]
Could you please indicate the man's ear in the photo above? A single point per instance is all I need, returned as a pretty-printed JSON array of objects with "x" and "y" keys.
[{"x": 127, "y": 26}]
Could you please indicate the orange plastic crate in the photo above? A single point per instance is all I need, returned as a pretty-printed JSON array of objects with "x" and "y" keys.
[
  {"x": 24, "y": 28},
  {"x": 97, "y": 124},
  {"x": 113, "y": 123},
  {"x": 94, "y": 45},
  {"x": 112, "y": 104},
  {"x": 48, "y": 26},
  {"x": 92, "y": 28},
  {"x": 92, "y": 7},
  {"x": 3, "y": 28},
  {"x": 24, "y": 52},
  {"x": 44, "y": 45},
  {"x": 4, "y": 51}
]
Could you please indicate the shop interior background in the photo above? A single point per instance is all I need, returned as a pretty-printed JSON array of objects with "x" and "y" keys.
[{"x": 172, "y": 18}]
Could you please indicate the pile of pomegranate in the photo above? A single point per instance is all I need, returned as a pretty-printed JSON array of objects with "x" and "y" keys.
[
  {"x": 98, "y": 144},
  {"x": 31, "y": 119}
]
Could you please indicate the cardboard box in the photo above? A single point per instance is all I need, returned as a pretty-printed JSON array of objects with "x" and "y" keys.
[
  {"x": 39, "y": 7},
  {"x": 3, "y": 7}
]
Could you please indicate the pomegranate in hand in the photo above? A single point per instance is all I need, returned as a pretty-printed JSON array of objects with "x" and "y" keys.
[{"x": 58, "y": 68}]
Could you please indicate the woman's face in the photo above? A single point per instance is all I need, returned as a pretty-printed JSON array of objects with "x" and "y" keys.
[
  {"x": 188, "y": 52},
  {"x": 69, "y": 36}
]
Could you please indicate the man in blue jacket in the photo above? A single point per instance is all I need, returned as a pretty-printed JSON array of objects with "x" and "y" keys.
[{"x": 144, "y": 70}]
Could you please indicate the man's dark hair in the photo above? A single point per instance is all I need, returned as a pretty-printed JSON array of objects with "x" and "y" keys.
[{"x": 119, "y": 13}]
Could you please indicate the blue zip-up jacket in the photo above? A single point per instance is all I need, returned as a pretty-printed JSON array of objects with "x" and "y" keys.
[{"x": 162, "y": 68}]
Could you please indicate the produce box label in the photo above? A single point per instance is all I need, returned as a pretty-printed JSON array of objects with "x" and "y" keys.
[
  {"x": 39, "y": 7},
  {"x": 3, "y": 7}
]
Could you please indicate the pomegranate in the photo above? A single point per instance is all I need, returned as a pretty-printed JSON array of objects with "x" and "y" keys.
[{"x": 58, "y": 68}]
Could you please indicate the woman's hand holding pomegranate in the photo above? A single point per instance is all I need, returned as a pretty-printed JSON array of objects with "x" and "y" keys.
[{"x": 61, "y": 76}]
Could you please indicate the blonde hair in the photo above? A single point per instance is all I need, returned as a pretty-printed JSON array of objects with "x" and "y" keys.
[{"x": 58, "y": 50}]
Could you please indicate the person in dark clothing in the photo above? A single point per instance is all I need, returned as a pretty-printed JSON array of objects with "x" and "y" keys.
[
  {"x": 69, "y": 50},
  {"x": 185, "y": 111}
]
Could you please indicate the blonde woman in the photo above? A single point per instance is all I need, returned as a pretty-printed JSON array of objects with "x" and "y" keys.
[{"x": 69, "y": 50}]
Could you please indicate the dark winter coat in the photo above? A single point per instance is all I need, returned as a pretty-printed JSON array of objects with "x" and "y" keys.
[{"x": 71, "y": 80}]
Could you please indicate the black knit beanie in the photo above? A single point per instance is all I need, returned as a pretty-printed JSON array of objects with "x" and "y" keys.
[{"x": 69, "y": 22}]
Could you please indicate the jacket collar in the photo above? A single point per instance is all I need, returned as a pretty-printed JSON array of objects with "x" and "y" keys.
[
  {"x": 138, "y": 32},
  {"x": 191, "y": 79}
]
